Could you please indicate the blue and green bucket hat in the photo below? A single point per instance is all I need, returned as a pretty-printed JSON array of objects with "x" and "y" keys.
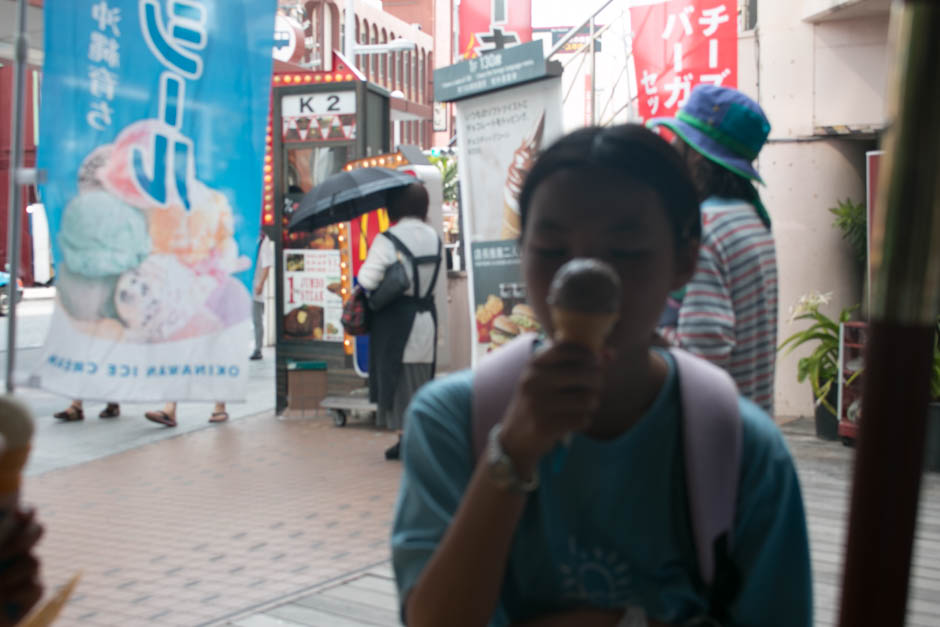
[{"x": 723, "y": 125}]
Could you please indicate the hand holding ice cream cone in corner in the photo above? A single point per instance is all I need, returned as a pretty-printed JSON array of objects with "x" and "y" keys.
[
  {"x": 16, "y": 429},
  {"x": 19, "y": 585}
]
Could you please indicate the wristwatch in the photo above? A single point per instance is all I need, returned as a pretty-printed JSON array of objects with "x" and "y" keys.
[{"x": 501, "y": 469}]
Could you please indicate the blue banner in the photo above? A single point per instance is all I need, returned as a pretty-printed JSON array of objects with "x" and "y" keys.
[{"x": 153, "y": 123}]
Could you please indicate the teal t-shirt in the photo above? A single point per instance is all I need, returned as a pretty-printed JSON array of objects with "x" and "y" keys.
[{"x": 610, "y": 526}]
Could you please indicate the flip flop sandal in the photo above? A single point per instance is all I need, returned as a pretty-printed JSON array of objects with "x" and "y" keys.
[
  {"x": 113, "y": 410},
  {"x": 218, "y": 416},
  {"x": 161, "y": 417},
  {"x": 72, "y": 414}
]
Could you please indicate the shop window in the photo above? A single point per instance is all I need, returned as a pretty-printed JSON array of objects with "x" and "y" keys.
[
  {"x": 421, "y": 76},
  {"x": 429, "y": 79},
  {"x": 364, "y": 58},
  {"x": 747, "y": 15},
  {"x": 383, "y": 72},
  {"x": 374, "y": 58},
  {"x": 308, "y": 166},
  {"x": 414, "y": 75}
]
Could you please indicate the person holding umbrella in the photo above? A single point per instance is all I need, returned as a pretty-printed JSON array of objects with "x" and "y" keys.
[{"x": 403, "y": 333}]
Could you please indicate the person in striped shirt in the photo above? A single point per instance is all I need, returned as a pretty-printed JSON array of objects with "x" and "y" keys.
[{"x": 728, "y": 311}]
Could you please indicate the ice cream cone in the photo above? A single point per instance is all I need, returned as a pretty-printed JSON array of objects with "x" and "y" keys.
[
  {"x": 16, "y": 429},
  {"x": 522, "y": 160},
  {"x": 587, "y": 329},
  {"x": 12, "y": 462},
  {"x": 47, "y": 614}
]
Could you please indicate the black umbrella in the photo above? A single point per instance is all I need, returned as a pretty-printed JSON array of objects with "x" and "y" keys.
[{"x": 347, "y": 195}]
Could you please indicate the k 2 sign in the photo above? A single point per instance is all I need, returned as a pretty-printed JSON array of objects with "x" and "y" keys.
[{"x": 680, "y": 44}]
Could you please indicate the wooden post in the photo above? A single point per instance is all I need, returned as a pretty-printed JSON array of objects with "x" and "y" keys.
[{"x": 906, "y": 258}]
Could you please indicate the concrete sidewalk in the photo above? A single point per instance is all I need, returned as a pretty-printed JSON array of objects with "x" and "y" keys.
[
  {"x": 62, "y": 444},
  {"x": 38, "y": 293}
]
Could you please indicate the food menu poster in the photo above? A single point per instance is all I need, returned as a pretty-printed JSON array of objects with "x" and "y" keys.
[
  {"x": 500, "y": 313},
  {"x": 501, "y": 134},
  {"x": 313, "y": 303}
]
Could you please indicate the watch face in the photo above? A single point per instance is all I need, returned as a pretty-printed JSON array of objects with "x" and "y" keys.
[
  {"x": 499, "y": 464},
  {"x": 501, "y": 469}
]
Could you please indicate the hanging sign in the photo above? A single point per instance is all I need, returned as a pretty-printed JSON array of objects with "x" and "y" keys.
[
  {"x": 680, "y": 44},
  {"x": 154, "y": 117}
]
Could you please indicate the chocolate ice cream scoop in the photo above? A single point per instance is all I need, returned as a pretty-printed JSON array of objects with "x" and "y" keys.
[
  {"x": 585, "y": 302},
  {"x": 587, "y": 286}
]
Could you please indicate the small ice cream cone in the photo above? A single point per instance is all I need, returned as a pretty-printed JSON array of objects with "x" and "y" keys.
[
  {"x": 16, "y": 429},
  {"x": 47, "y": 613},
  {"x": 585, "y": 302},
  {"x": 587, "y": 329}
]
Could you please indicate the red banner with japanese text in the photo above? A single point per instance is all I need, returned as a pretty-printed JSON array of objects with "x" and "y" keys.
[
  {"x": 680, "y": 44},
  {"x": 493, "y": 24}
]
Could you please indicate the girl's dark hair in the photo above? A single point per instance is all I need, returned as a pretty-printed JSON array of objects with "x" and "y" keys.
[
  {"x": 712, "y": 179},
  {"x": 630, "y": 152},
  {"x": 409, "y": 201}
]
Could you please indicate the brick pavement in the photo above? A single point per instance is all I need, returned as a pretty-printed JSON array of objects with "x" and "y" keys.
[
  {"x": 266, "y": 522},
  {"x": 197, "y": 528},
  {"x": 367, "y": 599}
]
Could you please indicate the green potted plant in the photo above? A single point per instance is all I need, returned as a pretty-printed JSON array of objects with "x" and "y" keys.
[
  {"x": 448, "y": 168},
  {"x": 820, "y": 367},
  {"x": 852, "y": 219}
]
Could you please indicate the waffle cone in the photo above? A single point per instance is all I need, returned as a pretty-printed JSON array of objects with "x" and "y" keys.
[
  {"x": 16, "y": 423},
  {"x": 587, "y": 329},
  {"x": 511, "y": 221},
  {"x": 47, "y": 613},
  {"x": 12, "y": 462}
]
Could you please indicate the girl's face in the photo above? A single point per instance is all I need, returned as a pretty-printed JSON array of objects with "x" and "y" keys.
[{"x": 578, "y": 213}]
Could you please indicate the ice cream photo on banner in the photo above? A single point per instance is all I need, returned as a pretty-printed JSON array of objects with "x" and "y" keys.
[
  {"x": 522, "y": 159},
  {"x": 139, "y": 271}
]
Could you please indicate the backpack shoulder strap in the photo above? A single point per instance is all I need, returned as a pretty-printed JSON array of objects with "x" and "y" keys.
[
  {"x": 494, "y": 380},
  {"x": 711, "y": 435},
  {"x": 399, "y": 245},
  {"x": 437, "y": 265}
]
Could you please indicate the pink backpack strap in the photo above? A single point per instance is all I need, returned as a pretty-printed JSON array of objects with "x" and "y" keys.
[
  {"x": 712, "y": 441},
  {"x": 494, "y": 380}
]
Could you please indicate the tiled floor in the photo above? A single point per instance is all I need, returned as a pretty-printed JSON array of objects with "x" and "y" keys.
[
  {"x": 210, "y": 524},
  {"x": 265, "y": 522},
  {"x": 367, "y": 599}
]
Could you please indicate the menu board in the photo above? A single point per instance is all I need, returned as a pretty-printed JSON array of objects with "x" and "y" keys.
[
  {"x": 500, "y": 312},
  {"x": 313, "y": 303},
  {"x": 501, "y": 133}
]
